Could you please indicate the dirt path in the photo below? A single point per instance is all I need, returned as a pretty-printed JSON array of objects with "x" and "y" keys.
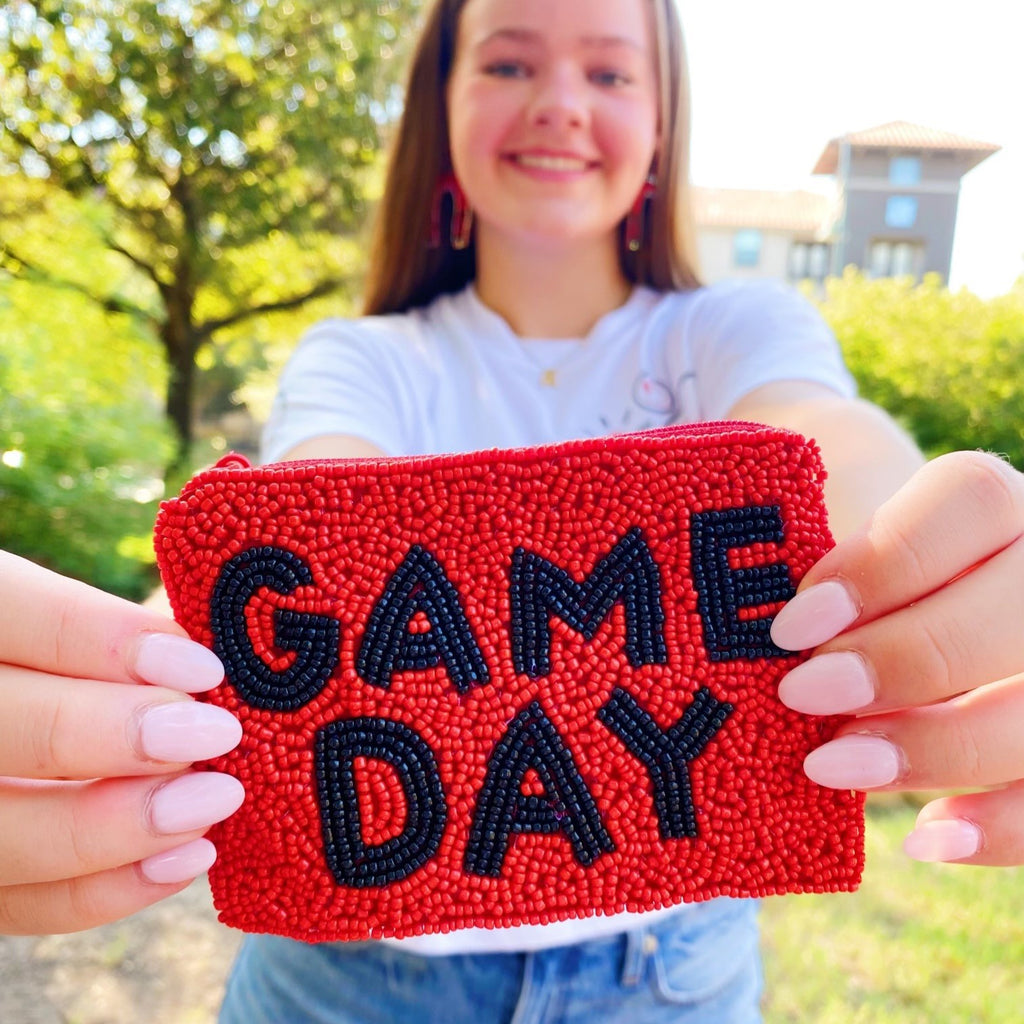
[{"x": 166, "y": 965}]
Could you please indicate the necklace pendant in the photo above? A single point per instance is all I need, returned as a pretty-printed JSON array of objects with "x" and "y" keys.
[{"x": 549, "y": 378}]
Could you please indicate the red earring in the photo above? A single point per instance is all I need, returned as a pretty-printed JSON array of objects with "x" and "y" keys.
[
  {"x": 461, "y": 225},
  {"x": 638, "y": 218}
]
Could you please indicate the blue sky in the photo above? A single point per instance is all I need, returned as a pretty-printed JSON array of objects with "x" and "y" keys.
[{"x": 773, "y": 81}]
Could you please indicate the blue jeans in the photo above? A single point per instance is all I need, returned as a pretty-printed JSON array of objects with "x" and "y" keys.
[{"x": 700, "y": 966}]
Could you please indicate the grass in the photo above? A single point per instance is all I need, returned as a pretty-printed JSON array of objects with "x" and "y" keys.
[{"x": 918, "y": 942}]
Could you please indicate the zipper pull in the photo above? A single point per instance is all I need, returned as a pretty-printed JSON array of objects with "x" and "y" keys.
[{"x": 233, "y": 460}]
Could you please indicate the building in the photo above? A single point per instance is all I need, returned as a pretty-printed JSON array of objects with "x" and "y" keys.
[
  {"x": 890, "y": 210},
  {"x": 748, "y": 233}
]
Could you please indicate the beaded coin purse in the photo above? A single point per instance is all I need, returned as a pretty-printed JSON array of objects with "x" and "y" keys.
[{"x": 510, "y": 687}]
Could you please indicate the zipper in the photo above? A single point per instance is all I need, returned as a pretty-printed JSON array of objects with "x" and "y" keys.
[{"x": 236, "y": 461}]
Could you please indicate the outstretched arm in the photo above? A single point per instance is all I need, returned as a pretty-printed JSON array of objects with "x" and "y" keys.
[{"x": 868, "y": 457}]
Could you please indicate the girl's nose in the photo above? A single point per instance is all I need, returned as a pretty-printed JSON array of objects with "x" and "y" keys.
[{"x": 560, "y": 100}]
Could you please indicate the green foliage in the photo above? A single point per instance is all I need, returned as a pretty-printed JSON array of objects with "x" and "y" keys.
[
  {"x": 947, "y": 364},
  {"x": 207, "y": 123},
  {"x": 82, "y": 437}
]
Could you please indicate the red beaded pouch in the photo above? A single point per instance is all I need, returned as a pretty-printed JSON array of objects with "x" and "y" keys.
[{"x": 510, "y": 686}]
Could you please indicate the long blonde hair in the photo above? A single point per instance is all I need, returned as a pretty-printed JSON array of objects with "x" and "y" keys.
[{"x": 406, "y": 272}]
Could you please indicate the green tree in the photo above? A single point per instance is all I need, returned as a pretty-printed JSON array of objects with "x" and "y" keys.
[{"x": 223, "y": 145}]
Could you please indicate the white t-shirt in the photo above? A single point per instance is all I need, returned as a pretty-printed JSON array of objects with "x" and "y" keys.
[{"x": 453, "y": 377}]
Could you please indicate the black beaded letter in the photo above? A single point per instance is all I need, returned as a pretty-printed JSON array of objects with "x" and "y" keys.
[
  {"x": 539, "y": 589},
  {"x": 723, "y": 591},
  {"x": 667, "y": 755},
  {"x": 353, "y": 862},
  {"x": 502, "y": 808},
  {"x": 313, "y": 638},
  {"x": 420, "y": 585}
]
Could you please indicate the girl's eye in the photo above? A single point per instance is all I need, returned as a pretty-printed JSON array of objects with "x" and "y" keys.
[
  {"x": 506, "y": 69},
  {"x": 609, "y": 77}
]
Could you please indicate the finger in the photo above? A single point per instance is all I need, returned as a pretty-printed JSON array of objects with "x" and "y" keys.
[
  {"x": 51, "y": 908},
  {"x": 60, "y": 625},
  {"x": 55, "y": 728},
  {"x": 971, "y": 828},
  {"x": 955, "y": 513},
  {"x": 960, "y": 637},
  {"x": 53, "y": 831},
  {"x": 967, "y": 742}
]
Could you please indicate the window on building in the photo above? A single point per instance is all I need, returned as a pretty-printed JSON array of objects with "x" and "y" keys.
[
  {"x": 798, "y": 261},
  {"x": 746, "y": 248},
  {"x": 808, "y": 260},
  {"x": 817, "y": 263},
  {"x": 900, "y": 211},
  {"x": 905, "y": 171},
  {"x": 904, "y": 259},
  {"x": 880, "y": 259},
  {"x": 895, "y": 259}
]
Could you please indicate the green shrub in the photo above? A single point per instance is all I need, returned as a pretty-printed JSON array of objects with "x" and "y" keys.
[{"x": 948, "y": 365}]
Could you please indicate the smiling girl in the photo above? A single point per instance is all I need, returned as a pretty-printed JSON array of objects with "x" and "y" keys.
[{"x": 533, "y": 281}]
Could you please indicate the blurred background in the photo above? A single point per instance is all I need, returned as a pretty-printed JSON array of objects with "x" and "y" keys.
[{"x": 185, "y": 186}]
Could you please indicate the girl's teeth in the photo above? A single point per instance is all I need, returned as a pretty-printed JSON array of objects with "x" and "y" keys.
[{"x": 552, "y": 163}]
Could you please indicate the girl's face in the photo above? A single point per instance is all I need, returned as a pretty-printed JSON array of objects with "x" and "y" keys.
[{"x": 553, "y": 115}]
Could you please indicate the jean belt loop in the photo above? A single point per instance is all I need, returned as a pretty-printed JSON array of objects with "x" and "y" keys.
[{"x": 634, "y": 963}]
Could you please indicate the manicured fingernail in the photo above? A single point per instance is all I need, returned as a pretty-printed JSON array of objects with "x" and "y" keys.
[
  {"x": 187, "y": 731},
  {"x": 814, "y": 616},
  {"x": 836, "y": 683},
  {"x": 943, "y": 840},
  {"x": 854, "y": 762},
  {"x": 193, "y": 801},
  {"x": 180, "y": 864},
  {"x": 178, "y": 663}
]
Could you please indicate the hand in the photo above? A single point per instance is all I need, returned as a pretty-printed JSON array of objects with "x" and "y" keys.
[
  {"x": 920, "y": 622},
  {"x": 99, "y": 816}
]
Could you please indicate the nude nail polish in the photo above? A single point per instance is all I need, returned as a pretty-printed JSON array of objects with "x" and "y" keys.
[
  {"x": 854, "y": 762},
  {"x": 943, "y": 840},
  {"x": 177, "y": 663},
  {"x": 186, "y": 731},
  {"x": 179, "y": 864},
  {"x": 196, "y": 800},
  {"x": 837, "y": 683},
  {"x": 814, "y": 616}
]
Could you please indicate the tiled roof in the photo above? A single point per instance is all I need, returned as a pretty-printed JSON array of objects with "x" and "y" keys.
[
  {"x": 807, "y": 212},
  {"x": 904, "y": 135}
]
